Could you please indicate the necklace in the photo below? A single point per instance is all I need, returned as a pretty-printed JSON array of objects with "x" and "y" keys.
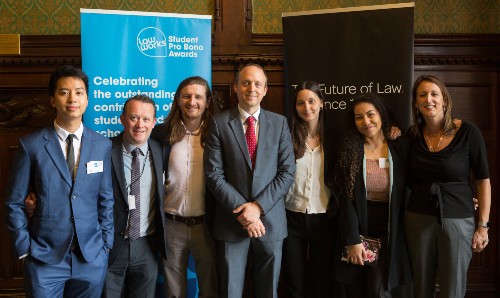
[
  {"x": 381, "y": 148},
  {"x": 195, "y": 133},
  {"x": 370, "y": 147},
  {"x": 433, "y": 149}
]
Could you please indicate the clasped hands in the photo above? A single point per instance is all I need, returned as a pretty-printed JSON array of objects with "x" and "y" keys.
[{"x": 249, "y": 218}]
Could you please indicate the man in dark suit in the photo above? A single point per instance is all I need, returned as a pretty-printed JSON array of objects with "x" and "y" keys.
[
  {"x": 133, "y": 261},
  {"x": 249, "y": 166},
  {"x": 68, "y": 167}
]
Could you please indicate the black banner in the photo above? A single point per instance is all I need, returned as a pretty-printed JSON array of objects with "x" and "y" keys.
[{"x": 351, "y": 51}]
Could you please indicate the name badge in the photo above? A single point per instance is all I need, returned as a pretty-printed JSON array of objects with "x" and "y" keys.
[
  {"x": 131, "y": 202},
  {"x": 94, "y": 167},
  {"x": 383, "y": 163}
]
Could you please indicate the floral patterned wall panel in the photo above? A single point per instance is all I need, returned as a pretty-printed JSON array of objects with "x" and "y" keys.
[
  {"x": 431, "y": 16},
  {"x": 51, "y": 17}
]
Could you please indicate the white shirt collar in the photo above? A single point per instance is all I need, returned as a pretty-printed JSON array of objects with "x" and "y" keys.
[
  {"x": 244, "y": 115},
  {"x": 63, "y": 134}
]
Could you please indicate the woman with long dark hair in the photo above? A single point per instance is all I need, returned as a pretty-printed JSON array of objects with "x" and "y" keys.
[
  {"x": 370, "y": 177},
  {"x": 308, "y": 249}
]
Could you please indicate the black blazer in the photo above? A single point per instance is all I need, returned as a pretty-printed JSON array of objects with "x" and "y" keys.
[
  {"x": 353, "y": 222},
  {"x": 120, "y": 208}
]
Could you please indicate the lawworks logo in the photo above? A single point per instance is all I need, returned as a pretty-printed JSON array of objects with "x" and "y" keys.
[{"x": 152, "y": 42}]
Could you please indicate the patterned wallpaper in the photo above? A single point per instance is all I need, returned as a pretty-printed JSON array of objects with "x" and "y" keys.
[
  {"x": 431, "y": 16},
  {"x": 48, "y": 17}
]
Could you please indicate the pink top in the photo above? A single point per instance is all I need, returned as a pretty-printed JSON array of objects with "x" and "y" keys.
[{"x": 377, "y": 181}]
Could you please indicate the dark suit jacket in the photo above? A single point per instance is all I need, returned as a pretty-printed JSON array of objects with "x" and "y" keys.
[
  {"x": 120, "y": 208},
  {"x": 230, "y": 178},
  {"x": 353, "y": 222},
  {"x": 158, "y": 134},
  {"x": 40, "y": 166}
]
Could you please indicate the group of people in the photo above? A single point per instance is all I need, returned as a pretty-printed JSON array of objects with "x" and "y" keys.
[{"x": 88, "y": 214}]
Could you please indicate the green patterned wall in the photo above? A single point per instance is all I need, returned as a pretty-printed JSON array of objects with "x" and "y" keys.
[
  {"x": 50, "y": 17},
  {"x": 431, "y": 16}
]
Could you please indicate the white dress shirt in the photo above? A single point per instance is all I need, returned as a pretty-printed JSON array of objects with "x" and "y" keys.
[
  {"x": 244, "y": 115},
  {"x": 308, "y": 193},
  {"x": 77, "y": 141}
]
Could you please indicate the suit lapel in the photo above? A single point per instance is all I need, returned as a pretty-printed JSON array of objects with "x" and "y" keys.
[
  {"x": 85, "y": 152},
  {"x": 117, "y": 161},
  {"x": 239, "y": 134},
  {"x": 264, "y": 127},
  {"x": 54, "y": 150},
  {"x": 156, "y": 155}
]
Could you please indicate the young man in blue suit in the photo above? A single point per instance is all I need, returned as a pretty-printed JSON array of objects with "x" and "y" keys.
[
  {"x": 249, "y": 166},
  {"x": 68, "y": 167}
]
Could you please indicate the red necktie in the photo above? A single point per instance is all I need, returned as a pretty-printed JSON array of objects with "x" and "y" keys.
[{"x": 251, "y": 139}]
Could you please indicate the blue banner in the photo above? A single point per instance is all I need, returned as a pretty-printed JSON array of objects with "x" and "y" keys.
[{"x": 126, "y": 53}]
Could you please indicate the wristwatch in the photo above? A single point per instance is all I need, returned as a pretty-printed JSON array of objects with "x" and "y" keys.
[{"x": 484, "y": 224}]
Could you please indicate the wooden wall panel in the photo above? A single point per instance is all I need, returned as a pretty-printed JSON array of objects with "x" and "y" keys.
[
  {"x": 10, "y": 268},
  {"x": 469, "y": 65}
]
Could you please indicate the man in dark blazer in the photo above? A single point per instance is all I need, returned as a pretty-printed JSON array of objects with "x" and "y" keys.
[
  {"x": 133, "y": 263},
  {"x": 249, "y": 189},
  {"x": 68, "y": 166}
]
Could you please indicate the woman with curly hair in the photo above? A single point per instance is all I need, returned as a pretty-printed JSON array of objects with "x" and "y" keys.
[{"x": 370, "y": 176}]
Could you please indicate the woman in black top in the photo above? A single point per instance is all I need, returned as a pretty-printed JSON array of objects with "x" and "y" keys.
[
  {"x": 440, "y": 226},
  {"x": 370, "y": 179}
]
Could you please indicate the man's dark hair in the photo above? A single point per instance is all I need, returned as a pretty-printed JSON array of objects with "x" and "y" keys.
[{"x": 67, "y": 71}]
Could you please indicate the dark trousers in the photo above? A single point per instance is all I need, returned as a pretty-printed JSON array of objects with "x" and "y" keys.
[
  {"x": 134, "y": 271},
  {"x": 308, "y": 255}
]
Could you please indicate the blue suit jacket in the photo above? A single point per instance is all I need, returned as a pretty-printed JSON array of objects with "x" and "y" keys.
[
  {"x": 40, "y": 166},
  {"x": 230, "y": 178}
]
